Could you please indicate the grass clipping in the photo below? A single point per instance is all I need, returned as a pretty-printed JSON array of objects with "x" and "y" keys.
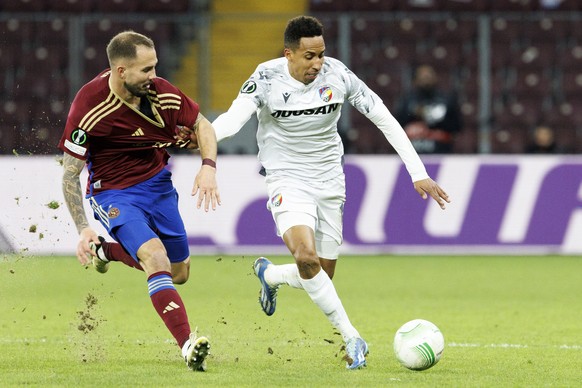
[{"x": 87, "y": 333}]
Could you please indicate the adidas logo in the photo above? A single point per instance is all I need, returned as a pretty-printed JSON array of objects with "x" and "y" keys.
[
  {"x": 170, "y": 307},
  {"x": 138, "y": 132}
]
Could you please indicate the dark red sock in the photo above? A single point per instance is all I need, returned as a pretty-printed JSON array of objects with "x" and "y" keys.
[
  {"x": 169, "y": 305},
  {"x": 116, "y": 252}
]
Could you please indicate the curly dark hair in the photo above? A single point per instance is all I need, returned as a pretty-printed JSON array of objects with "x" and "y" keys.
[{"x": 301, "y": 27}]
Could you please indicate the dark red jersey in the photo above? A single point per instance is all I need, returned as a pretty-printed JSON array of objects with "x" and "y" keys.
[{"x": 121, "y": 145}]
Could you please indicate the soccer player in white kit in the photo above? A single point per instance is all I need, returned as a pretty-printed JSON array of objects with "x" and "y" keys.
[{"x": 298, "y": 99}]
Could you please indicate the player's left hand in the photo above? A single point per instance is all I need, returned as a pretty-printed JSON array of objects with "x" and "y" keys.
[
  {"x": 205, "y": 183},
  {"x": 426, "y": 187}
]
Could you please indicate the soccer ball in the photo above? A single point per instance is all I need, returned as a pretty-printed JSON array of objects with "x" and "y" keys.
[{"x": 419, "y": 344}]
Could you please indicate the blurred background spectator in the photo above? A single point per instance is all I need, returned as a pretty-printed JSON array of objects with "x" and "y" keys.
[
  {"x": 429, "y": 115},
  {"x": 543, "y": 141}
]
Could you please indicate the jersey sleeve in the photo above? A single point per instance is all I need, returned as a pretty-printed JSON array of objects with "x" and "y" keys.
[
  {"x": 358, "y": 94},
  {"x": 250, "y": 98},
  {"x": 75, "y": 140},
  {"x": 398, "y": 139},
  {"x": 370, "y": 105},
  {"x": 188, "y": 112}
]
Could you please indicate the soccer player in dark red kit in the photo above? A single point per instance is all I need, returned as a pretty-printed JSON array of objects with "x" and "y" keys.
[{"x": 119, "y": 126}]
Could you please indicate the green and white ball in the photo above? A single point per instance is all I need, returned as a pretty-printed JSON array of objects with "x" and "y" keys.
[{"x": 419, "y": 344}]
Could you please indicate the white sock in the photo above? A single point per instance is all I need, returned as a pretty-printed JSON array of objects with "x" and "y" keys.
[
  {"x": 288, "y": 274},
  {"x": 322, "y": 291},
  {"x": 185, "y": 348}
]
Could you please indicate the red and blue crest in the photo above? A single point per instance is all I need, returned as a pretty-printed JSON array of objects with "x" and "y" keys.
[
  {"x": 276, "y": 200},
  {"x": 325, "y": 93}
]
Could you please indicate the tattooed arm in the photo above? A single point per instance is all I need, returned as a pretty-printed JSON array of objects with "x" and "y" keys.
[
  {"x": 72, "y": 190},
  {"x": 74, "y": 200}
]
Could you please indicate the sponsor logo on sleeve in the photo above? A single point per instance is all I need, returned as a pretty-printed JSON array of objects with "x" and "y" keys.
[
  {"x": 78, "y": 136},
  {"x": 249, "y": 87},
  {"x": 74, "y": 148}
]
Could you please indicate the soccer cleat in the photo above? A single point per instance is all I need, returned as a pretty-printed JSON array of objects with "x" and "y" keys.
[
  {"x": 100, "y": 261},
  {"x": 197, "y": 352},
  {"x": 268, "y": 294},
  {"x": 356, "y": 352}
]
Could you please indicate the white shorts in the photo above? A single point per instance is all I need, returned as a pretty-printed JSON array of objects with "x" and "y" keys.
[{"x": 318, "y": 205}]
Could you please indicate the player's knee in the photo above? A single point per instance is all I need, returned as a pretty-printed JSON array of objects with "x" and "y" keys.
[
  {"x": 154, "y": 255},
  {"x": 180, "y": 278},
  {"x": 181, "y": 272},
  {"x": 307, "y": 262}
]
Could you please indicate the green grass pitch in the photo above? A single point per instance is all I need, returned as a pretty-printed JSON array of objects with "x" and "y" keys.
[{"x": 507, "y": 322}]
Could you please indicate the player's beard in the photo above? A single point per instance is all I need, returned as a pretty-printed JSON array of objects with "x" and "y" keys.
[{"x": 137, "y": 90}]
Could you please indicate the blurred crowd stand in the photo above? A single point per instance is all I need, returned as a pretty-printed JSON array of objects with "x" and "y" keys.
[{"x": 512, "y": 64}]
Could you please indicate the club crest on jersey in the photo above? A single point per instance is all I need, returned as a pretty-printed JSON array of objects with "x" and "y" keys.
[
  {"x": 248, "y": 87},
  {"x": 325, "y": 93},
  {"x": 113, "y": 212},
  {"x": 276, "y": 200}
]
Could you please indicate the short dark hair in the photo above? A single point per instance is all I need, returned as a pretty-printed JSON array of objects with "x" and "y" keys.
[
  {"x": 301, "y": 27},
  {"x": 123, "y": 45}
]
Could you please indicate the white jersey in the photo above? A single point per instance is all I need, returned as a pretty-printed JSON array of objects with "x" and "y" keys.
[{"x": 297, "y": 133}]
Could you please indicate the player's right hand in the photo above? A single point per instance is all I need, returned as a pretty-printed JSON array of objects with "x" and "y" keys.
[{"x": 86, "y": 236}]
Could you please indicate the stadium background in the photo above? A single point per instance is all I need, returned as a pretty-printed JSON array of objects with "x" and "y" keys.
[{"x": 513, "y": 64}]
